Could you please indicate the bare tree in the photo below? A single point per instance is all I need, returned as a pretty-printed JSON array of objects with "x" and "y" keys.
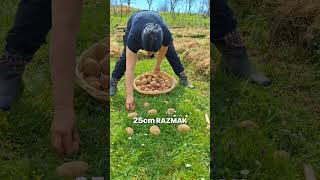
[
  {"x": 164, "y": 7},
  {"x": 115, "y": 5},
  {"x": 206, "y": 5},
  {"x": 202, "y": 7},
  {"x": 121, "y": 6},
  {"x": 149, "y": 3},
  {"x": 129, "y": 2},
  {"x": 173, "y": 5},
  {"x": 190, "y": 4}
]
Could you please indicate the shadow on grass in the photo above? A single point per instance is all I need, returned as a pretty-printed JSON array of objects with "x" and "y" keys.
[{"x": 222, "y": 101}]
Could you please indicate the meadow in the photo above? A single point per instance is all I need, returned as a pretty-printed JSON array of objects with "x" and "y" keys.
[
  {"x": 172, "y": 154},
  {"x": 25, "y": 150},
  {"x": 287, "y": 113}
]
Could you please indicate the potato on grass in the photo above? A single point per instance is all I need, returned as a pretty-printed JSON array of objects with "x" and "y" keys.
[
  {"x": 183, "y": 128},
  {"x": 129, "y": 131},
  {"x": 171, "y": 111},
  {"x": 248, "y": 125},
  {"x": 132, "y": 115},
  {"x": 72, "y": 169},
  {"x": 146, "y": 104},
  {"x": 152, "y": 112},
  {"x": 281, "y": 154},
  {"x": 155, "y": 130}
]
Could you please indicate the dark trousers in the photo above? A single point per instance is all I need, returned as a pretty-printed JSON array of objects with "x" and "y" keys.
[
  {"x": 31, "y": 26},
  {"x": 172, "y": 56},
  {"x": 222, "y": 19}
]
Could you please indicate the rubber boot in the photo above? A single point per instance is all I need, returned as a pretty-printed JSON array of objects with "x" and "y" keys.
[
  {"x": 184, "y": 80},
  {"x": 235, "y": 58},
  {"x": 113, "y": 86},
  {"x": 11, "y": 83}
]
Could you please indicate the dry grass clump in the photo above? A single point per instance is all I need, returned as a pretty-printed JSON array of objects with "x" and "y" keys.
[
  {"x": 200, "y": 58},
  {"x": 296, "y": 21},
  {"x": 115, "y": 49},
  {"x": 184, "y": 44}
]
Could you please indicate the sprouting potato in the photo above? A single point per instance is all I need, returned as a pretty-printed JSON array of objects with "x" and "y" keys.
[
  {"x": 183, "y": 128},
  {"x": 104, "y": 66},
  {"x": 72, "y": 169},
  {"x": 132, "y": 115},
  {"x": 281, "y": 154},
  {"x": 83, "y": 75},
  {"x": 155, "y": 130},
  {"x": 171, "y": 111},
  {"x": 138, "y": 82},
  {"x": 153, "y": 83},
  {"x": 247, "y": 124},
  {"x": 152, "y": 112},
  {"x": 91, "y": 67},
  {"x": 104, "y": 81},
  {"x": 144, "y": 81},
  {"x": 146, "y": 104},
  {"x": 129, "y": 131},
  {"x": 95, "y": 84}
]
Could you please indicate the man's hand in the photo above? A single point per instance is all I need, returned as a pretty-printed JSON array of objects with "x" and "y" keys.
[
  {"x": 130, "y": 103},
  {"x": 156, "y": 70},
  {"x": 162, "y": 53},
  {"x": 64, "y": 132}
]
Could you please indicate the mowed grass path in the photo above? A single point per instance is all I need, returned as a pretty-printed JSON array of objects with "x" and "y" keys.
[
  {"x": 25, "y": 151},
  {"x": 167, "y": 155}
]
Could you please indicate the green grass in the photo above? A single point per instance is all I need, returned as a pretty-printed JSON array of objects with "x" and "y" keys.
[
  {"x": 164, "y": 156},
  {"x": 25, "y": 151},
  {"x": 287, "y": 113}
]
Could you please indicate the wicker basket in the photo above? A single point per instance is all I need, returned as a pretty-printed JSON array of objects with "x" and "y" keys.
[
  {"x": 171, "y": 79},
  {"x": 97, "y": 52}
]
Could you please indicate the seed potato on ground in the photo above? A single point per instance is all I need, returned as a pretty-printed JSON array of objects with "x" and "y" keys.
[
  {"x": 129, "y": 131},
  {"x": 146, "y": 104},
  {"x": 248, "y": 124},
  {"x": 155, "y": 130},
  {"x": 281, "y": 154},
  {"x": 183, "y": 128},
  {"x": 132, "y": 115},
  {"x": 171, "y": 111},
  {"x": 72, "y": 169},
  {"x": 152, "y": 112}
]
